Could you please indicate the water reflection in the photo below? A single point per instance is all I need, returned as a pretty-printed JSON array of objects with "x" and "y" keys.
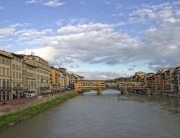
[
  {"x": 106, "y": 92},
  {"x": 169, "y": 104}
]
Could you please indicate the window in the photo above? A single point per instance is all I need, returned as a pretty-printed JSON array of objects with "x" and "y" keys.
[
  {"x": 4, "y": 83},
  {"x": 7, "y": 72},
  {"x": 16, "y": 75},
  {"x": 3, "y": 61},
  {"x": 16, "y": 67},
  {"x": 7, "y": 62},
  {"x": 19, "y": 75},
  {"x": 13, "y": 74},
  {"x": 13, "y": 66},
  {"x": 8, "y": 83},
  {"x": 3, "y": 71}
]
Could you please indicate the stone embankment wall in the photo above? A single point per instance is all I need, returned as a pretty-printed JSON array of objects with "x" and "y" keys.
[{"x": 9, "y": 108}]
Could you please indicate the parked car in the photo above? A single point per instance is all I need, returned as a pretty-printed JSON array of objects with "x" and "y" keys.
[{"x": 29, "y": 94}]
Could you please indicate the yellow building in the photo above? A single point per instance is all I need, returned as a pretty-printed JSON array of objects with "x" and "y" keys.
[
  {"x": 89, "y": 85},
  {"x": 73, "y": 78},
  {"x": 24, "y": 76},
  {"x": 77, "y": 86},
  {"x": 101, "y": 85},
  {"x": 65, "y": 77},
  {"x": 131, "y": 84},
  {"x": 5, "y": 67},
  {"x": 31, "y": 78},
  {"x": 16, "y": 75},
  {"x": 42, "y": 73},
  {"x": 55, "y": 80}
]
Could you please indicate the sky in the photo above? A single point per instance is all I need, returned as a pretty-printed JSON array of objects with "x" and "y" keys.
[{"x": 97, "y": 39}]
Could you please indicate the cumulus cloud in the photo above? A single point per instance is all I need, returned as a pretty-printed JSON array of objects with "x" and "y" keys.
[
  {"x": 53, "y": 3},
  {"x": 82, "y": 28},
  {"x": 176, "y": 3},
  {"x": 42, "y": 52},
  {"x": 94, "y": 43},
  {"x": 7, "y": 31},
  {"x": 100, "y": 43},
  {"x": 163, "y": 43},
  {"x": 31, "y": 34},
  {"x": 153, "y": 13},
  {"x": 32, "y": 1}
]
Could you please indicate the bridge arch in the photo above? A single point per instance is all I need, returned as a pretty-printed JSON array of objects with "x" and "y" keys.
[{"x": 111, "y": 91}]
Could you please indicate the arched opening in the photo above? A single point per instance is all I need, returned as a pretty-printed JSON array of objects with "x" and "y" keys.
[{"x": 111, "y": 91}]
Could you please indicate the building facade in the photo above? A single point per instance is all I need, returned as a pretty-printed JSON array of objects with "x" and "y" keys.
[
  {"x": 42, "y": 73},
  {"x": 16, "y": 76},
  {"x": 55, "y": 80},
  {"x": 5, "y": 76}
]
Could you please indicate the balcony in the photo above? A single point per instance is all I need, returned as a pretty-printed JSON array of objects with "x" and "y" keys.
[
  {"x": 44, "y": 88},
  {"x": 43, "y": 80},
  {"x": 5, "y": 88},
  {"x": 17, "y": 88}
]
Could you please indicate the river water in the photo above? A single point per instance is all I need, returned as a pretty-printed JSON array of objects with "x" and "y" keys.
[{"x": 110, "y": 115}]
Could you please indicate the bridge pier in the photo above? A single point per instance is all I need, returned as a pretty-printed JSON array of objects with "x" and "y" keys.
[
  {"x": 149, "y": 91},
  {"x": 99, "y": 91},
  {"x": 124, "y": 91}
]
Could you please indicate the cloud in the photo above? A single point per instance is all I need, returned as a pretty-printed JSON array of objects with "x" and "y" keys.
[
  {"x": 176, "y": 3},
  {"x": 7, "y": 31},
  {"x": 100, "y": 43},
  {"x": 83, "y": 28},
  {"x": 5, "y": 47},
  {"x": 107, "y": 2},
  {"x": 42, "y": 52},
  {"x": 31, "y": 34},
  {"x": 94, "y": 75},
  {"x": 163, "y": 44},
  {"x": 82, "y": 2},
  {"x": 118, "y": 14},
  {"x": 59, "y": 22},
  {"x": 89, "y": 42},
  {"x": 32, "y": 1},
  {"x": 53, "y": 3},
  {"x": 1, "y": 7},
  {"x": 118, "y": 7},
  {"x": 153, "y": 13}
]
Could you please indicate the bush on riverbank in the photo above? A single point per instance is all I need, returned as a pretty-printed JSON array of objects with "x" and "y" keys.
[{"x": 12, "y": 118}]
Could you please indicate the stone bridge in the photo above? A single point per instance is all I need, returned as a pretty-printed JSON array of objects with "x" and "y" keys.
[{"x": 124, "y": 86}]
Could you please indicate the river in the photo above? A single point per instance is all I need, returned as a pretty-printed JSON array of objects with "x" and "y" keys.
[{"x": 110, "y": 115}]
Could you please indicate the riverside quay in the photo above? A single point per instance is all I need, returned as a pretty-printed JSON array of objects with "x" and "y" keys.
[{"x": 29, "y": 75}]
